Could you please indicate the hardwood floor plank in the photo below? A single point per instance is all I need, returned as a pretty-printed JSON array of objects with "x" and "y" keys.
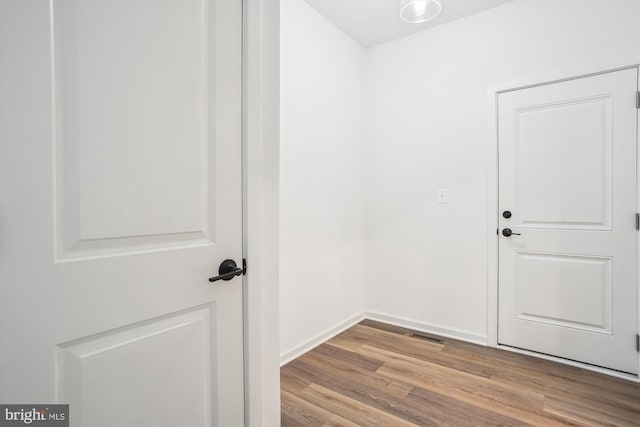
[
  {"x": 415, "y": 348},
  {"x": 352, "y": 409},
  {"x": 560, "y": 381},
  {"x": 287, "y": 421},
  {"x": 569, "y": 390},
  {"x": 299, "y": 412},
  {"x": 569, "y": 383},
  {"x": 363, "y": 393},
  {"x": 507, "y": 401},
  {"x": 375, "y": 374},
  {"x": 357, "y": 375},
  {"x": 350, "y": 357},
  {"x": 337, "y": 421},
  {"x": 344, "y": 343},
  {"x": 587, "y": 414},
  {"x": 364, "y": 335},
  {"x": 452, "y": 412},
  {"x": 503, "y": 360},
  {"x": 291, "y": 382}
]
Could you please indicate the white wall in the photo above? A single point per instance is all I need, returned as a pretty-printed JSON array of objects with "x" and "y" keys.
[
  {"x": 321, "y": 177},
  {"x": 428, "y": 119}
]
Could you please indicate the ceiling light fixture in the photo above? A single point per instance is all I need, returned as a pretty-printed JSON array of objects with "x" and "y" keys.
[{"x": 416, "y": 11}]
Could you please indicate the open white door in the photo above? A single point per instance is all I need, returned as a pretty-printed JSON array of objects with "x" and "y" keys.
[
  {"x": 567, "y": 173},
  {"x": 120, "y": 195}
]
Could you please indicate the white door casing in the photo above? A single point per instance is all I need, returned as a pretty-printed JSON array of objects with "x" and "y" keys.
[
  {"x": 120, "y": 194},
  {"x": 567, "y": 173}
]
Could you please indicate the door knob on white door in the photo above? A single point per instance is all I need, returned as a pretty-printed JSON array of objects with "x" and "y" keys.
[
  {"x": 228, "y": 270},
  {"x": 506, "y": 232}
]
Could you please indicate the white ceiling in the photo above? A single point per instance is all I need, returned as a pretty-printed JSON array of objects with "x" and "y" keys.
[{"x": 371, "y": 22}]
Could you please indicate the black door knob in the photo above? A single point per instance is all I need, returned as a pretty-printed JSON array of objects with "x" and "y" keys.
[
  {"x": 227, "y": 271},
  {"x": 506, "y": 214},
  {"x": 506, "y": 232}
]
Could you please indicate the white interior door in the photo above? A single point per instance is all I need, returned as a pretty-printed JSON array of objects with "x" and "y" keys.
[
  {"x": 120, "y": 196},
  {"x": 567, "y": 174}
]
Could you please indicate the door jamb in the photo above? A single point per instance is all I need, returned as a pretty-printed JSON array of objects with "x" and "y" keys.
[
  {"x": 492, "y": 194},
  {"x": 260, "y": 152}
]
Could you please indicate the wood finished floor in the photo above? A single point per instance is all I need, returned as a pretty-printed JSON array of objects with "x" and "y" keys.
[{"x": 375, "y": 374}]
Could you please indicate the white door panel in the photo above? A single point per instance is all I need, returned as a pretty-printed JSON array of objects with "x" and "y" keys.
[
  {"x": 553, "y": 139},
  {"x": 570, "y": 291},
  {"x": 182, "y": 380},
  {"x": 114, "y": 123},
  {"x": 567, "y": 171},
  {"x": 120, "y": 196}
]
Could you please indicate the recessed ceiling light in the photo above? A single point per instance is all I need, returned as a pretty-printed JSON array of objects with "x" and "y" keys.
[{"x": 416, "y": 11}]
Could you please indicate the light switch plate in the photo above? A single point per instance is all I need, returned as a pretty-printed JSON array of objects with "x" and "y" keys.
[{"x": 443, "y": 195}]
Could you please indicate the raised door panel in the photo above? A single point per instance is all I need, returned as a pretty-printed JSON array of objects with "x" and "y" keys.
[
  {"x": 132, "y": 114},
  {"x": 114, "y": 378},
  {"x": 563, "y": 164},
  {"x": 567, "y": 291}
]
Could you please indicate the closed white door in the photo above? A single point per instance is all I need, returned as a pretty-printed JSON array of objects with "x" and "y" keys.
[
  {"x": 567, "y": 174},
  {"x": 120, "y": 196}
]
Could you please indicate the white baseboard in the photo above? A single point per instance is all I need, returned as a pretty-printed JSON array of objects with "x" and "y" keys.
[
  {"x": 427, "y": 327},
  {"x": 309, "y": 345},
  {"x": 298, "y": 351}
]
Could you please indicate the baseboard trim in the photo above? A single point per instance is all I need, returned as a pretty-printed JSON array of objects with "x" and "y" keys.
[
  {"x": 298, "y": 351},
  {"x": 427, "y": 327},
  {"x": 309, "y": 345}
]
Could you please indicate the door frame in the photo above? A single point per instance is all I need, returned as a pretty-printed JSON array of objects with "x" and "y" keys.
[
  {"x": 260, "y": 157},
  {"x": 493, "y": 208}
]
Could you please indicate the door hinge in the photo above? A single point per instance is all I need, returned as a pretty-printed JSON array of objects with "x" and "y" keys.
[
  {"x": 637, "y": 221},
  {"x": 638, "y": 343},
  {"x": 638, "y": 99}
]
